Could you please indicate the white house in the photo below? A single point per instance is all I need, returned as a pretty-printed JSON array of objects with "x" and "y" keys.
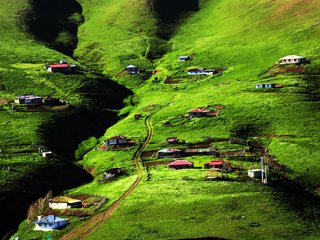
[
  {"x": 64, "y": 203},
  {"x": 49, "y": 223},
  {"x": 183, "y": 58},
  {"x": 47, "y": 154},
  {"x": 255, "y": 173},
  {"x": 28, "y": 100},
  {"x": 292, "y": 59}
]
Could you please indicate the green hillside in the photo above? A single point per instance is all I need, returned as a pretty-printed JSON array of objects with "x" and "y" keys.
[{"x": 244, "y": 39}]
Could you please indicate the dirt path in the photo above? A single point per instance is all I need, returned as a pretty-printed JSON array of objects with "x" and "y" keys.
[{"x": 88, "y": 227}]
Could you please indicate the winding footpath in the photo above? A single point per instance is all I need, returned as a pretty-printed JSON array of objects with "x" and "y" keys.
[{"x": 91, "y": 225}]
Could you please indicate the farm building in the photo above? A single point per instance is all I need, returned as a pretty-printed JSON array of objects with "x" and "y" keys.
[
  {"x": 180, "y": 164},
  {"x": 131, "y": 69},
  {"x": 64, "y": 203},
  {"x": 49, "y": 223},
  {"x": 169, "y": 153},
  {"x": 198, "y": 112},
  {"x": 292, "y": 59},
  {"x": 214, "y": 164},
  {"x": 116, "y": 141},
  {"x": 137, "y": 116},
  {"x": 183, "y": 58},
  {"x": 265, "y": 85},
  {"x": 28, "y": 100},
  {"x": 113, "y": 173},
  {"x": 255, "y": 173},
  {"x": 201, "y": 71},
  {"x": 58, "y": 67},
  {"x": 47, "y": 154},
  {"x": 172, "y": 140}
]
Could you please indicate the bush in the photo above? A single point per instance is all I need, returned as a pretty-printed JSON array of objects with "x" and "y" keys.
[{"x": 85, "y": 147}]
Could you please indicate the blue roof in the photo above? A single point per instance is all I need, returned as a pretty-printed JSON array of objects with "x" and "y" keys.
[{"x": 50, "y": 219}]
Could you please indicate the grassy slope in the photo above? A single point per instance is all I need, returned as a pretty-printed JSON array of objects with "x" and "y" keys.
[
  {"x": 247, "y": 42},
  {"x": 22, "y": 72}
]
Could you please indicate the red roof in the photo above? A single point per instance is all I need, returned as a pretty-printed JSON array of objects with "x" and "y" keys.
[
  {"x": 200, "y": 110},
  {"x": 180, "y": 163},
  {"x": 59, "y": 65},
  {"x": 215, "y": 163}
]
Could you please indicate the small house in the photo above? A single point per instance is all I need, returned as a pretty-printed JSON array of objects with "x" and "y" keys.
[
  {"x": 116, "y": 141},
  {"x": 201, "y": 71},
  {"x": 292, "y": 59},
  {"x": 198, "y": 112},
  {"x": 28, "y": 100},
  {"x": 49, "y": 223},
  {"x": 113, "y": 173},
  {"x": 183, "y": 58},
  {"x": 62, "y": 68},
  {"x": 169, "y": 153},
  {"x": 137, "y": 116},
  {"x": 64, "y": 203},
  {"x": 265, "y": 85},
  {"x": 214, "y": 164},
  {"x": 180, "y": 164},
  {"x": 172, "y": 140},
  {"x": 47, "y": 154},
  {"x": 255, "y": 173},
  {"x": 131, "y": 69}
]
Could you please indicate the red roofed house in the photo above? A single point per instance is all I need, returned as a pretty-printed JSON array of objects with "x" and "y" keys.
[
  {"x": 59, "y": 67},
  {"x": 198, "y": 112},
  {"x": 214, "y": 164},
  {"x": 180, "y": 164}
]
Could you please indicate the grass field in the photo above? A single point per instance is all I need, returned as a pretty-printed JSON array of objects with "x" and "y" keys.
[{"x": 245, "y": 39}]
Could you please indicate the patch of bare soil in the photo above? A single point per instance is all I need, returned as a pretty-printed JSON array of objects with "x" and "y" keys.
[{"x": 3, "y": 101}]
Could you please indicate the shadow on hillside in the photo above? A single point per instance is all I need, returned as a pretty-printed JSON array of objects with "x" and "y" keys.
[
  {"x": 55, "y": 23},
  {"x": 67, "y": 130},
  {"x": 57, "y": 177},
  {"x": 169, "y": 12}
]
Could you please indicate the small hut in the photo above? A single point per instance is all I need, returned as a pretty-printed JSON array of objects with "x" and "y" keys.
[
  {"x": 198, "y": 112},
  {"x": 214, "y": 164},
  {"x": 180, "y": 164},
  {"x": 183, "y": 58},
  {"x": 49, "y": 223},
  {"x": 255, "y": 173},
  {"x": 116, "y": 141},
  {"x": 64, "y": 203}
]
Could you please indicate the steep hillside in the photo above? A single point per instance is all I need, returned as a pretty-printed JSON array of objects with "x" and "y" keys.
[
  {"x": 242, "y": 39},
  {"x": 24, "y": 174},
  {"x": 245, "y": 39}
]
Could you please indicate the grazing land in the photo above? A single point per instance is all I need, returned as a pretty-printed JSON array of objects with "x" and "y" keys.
[{"x": 243, "y": 38}]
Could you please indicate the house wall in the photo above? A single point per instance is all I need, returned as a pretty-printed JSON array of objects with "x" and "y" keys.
[{"x": 58, "y": 205}]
